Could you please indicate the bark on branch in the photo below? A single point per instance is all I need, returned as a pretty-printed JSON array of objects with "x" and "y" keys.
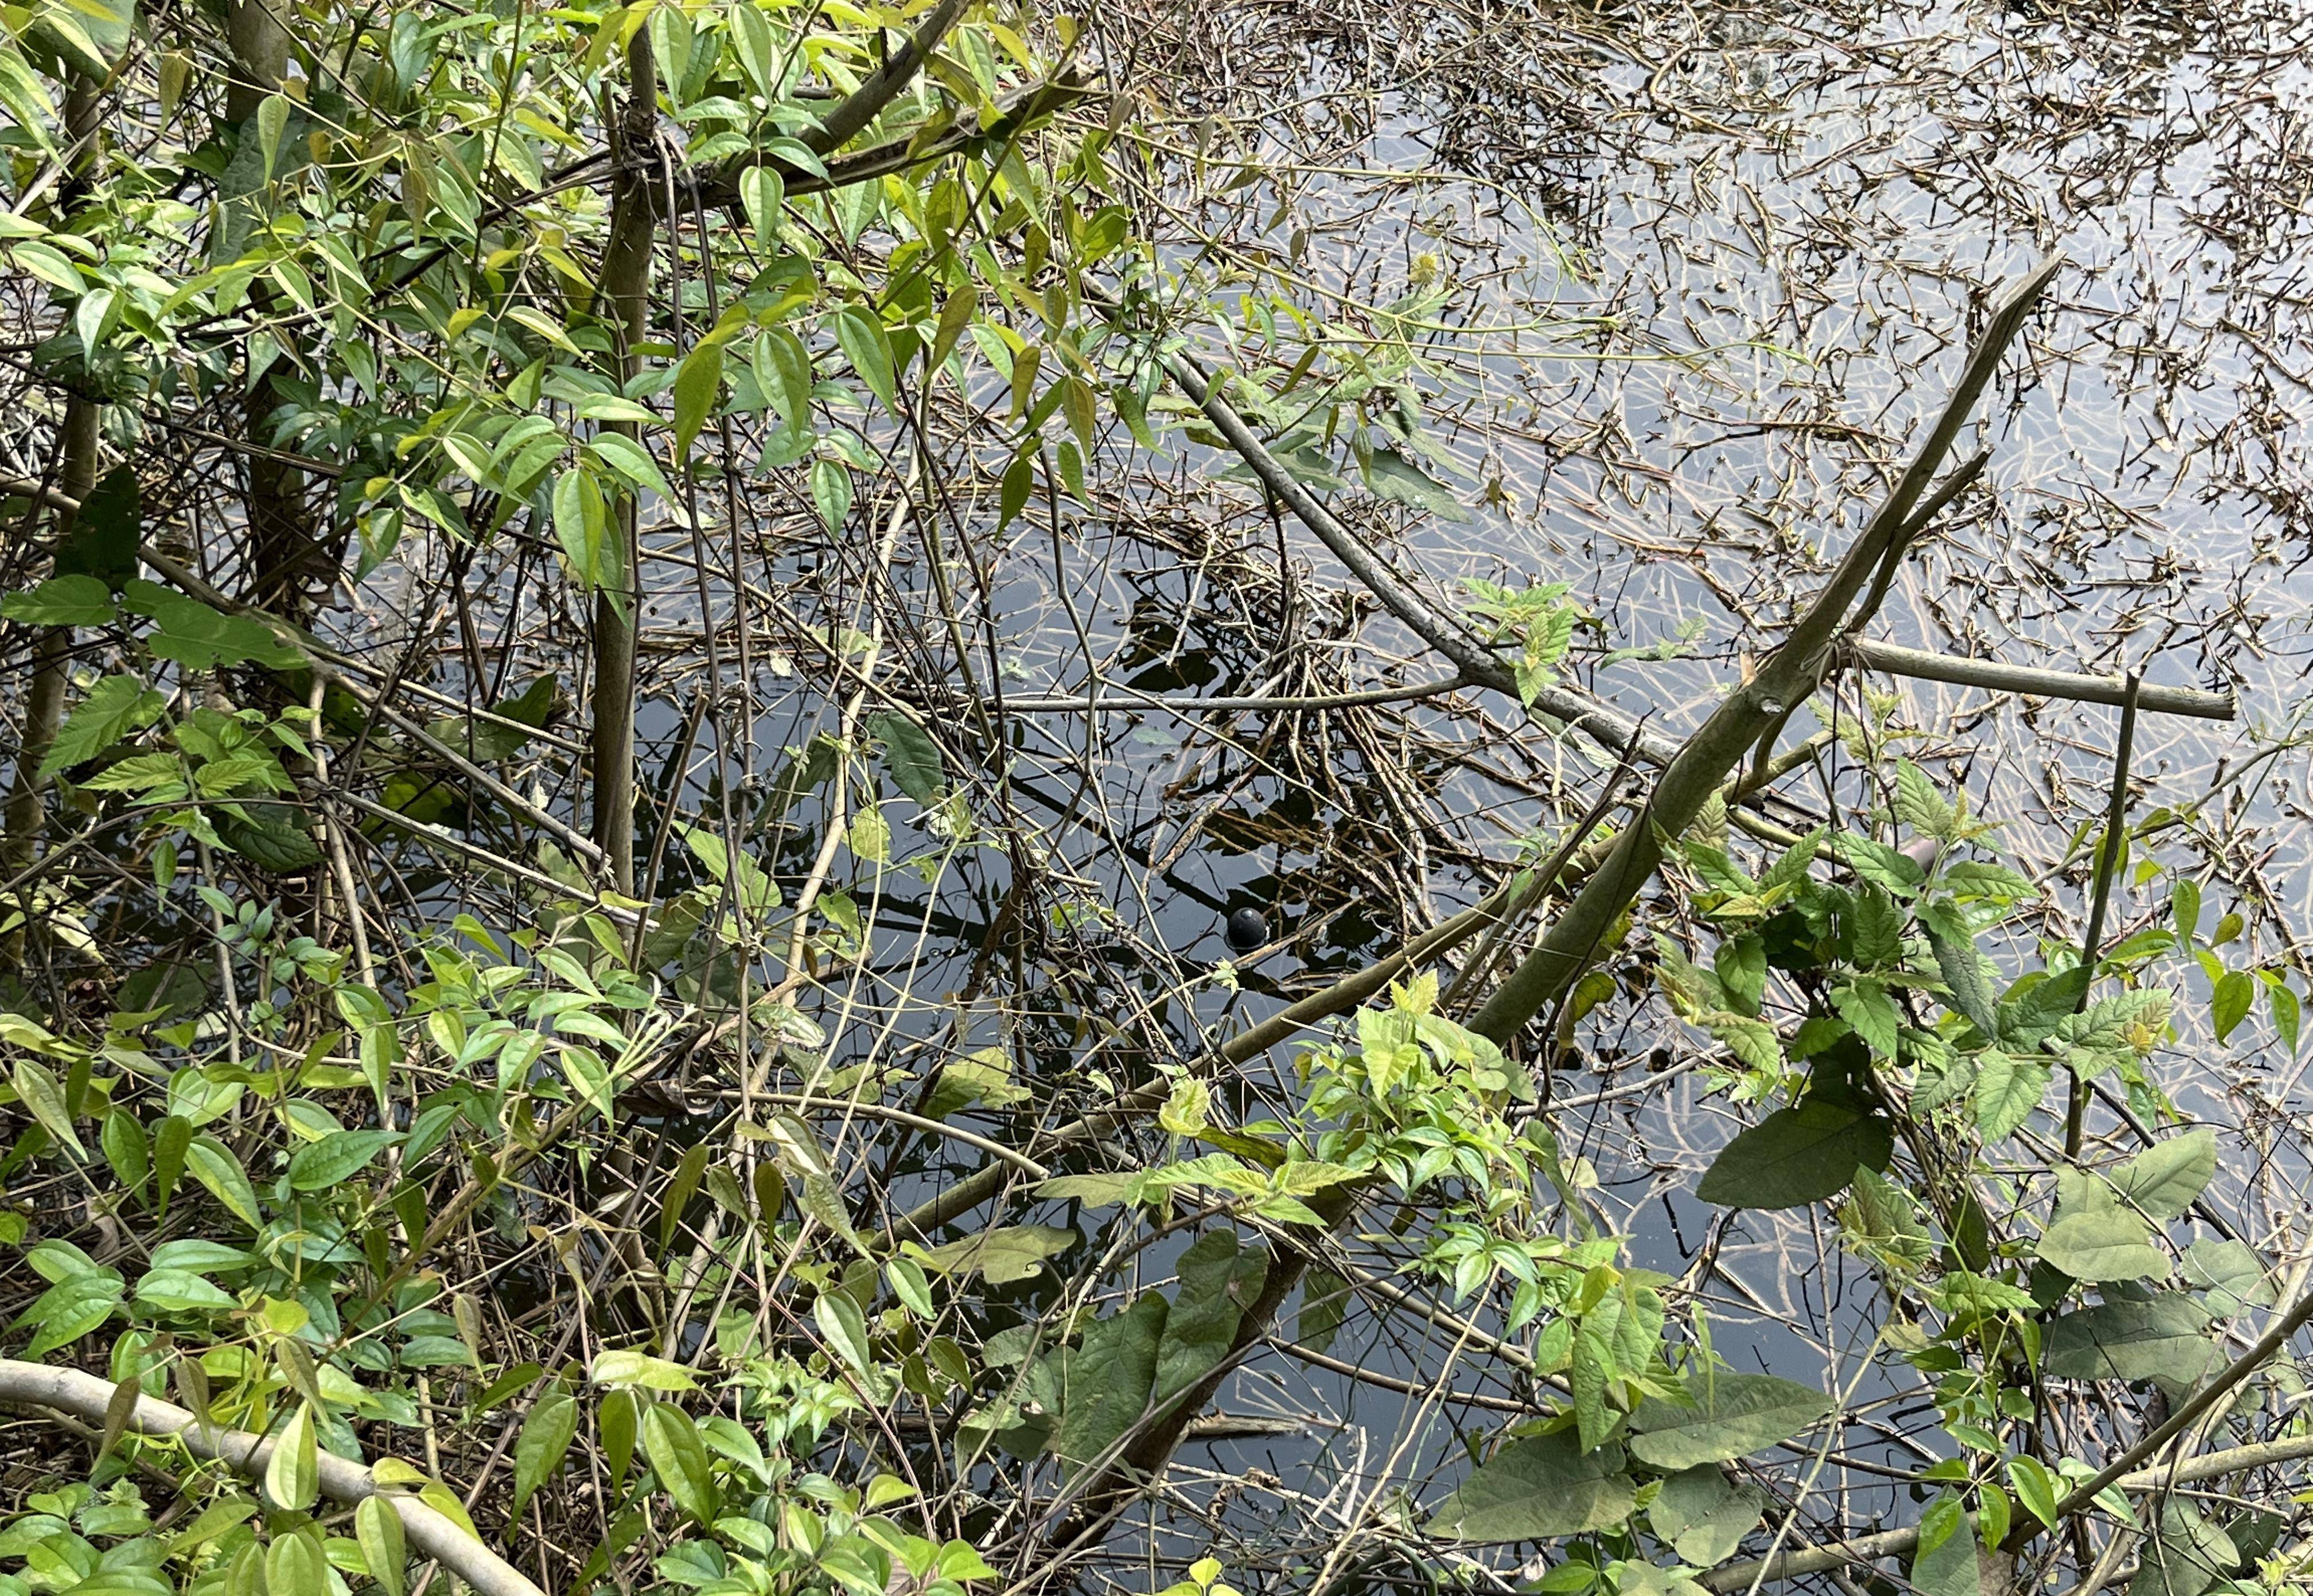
[
  {"x": 87, "y": 1398},
  {"x": 1755, "y": 708}
]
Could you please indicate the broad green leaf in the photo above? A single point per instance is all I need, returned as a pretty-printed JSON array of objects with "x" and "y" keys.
[
  {"x": 1703, "y": 1515},
  {"x": 1796, "y": 1156},
  {"x": 2229, "y": 1005},
  {"x": 631, "y": 461},
  {"x": 2036, "y": 1488},
  {"x": 580, "y": 524},
  {"x": 910, "y": 754},
  {"x": 679, "y": 1458},
  {"x": 62, "y": 600},
  {"x": 214, "y": 1165},
  {"x": 335, "y": 1159},
  {"x": 115, "y": 708},
  {"x": 2160, "y": 1338},
  {"x": 44, "y": 1095},
  {"x": 1946, "y": 1564},
  {"x": 295, "y": 1565},
  {"x": 2186, "y": 1555},
  {"x": 2094, "y": 1239},
  {"x": 830, "y": 493},
  {"x": 2230, "y": 1272},
  {"x": 783, "y": 372},
  {"x": 1536, "y": 1488},
  {"x": 547, "y": 1431},
  {"x": 1734, "y": 1416},
  {"x": 1003, "y": 1254},
  {"x": 1104, "y": 1383},
  {"x": 2164, "y": 1178},
  {"x": 1217, "y": 1280},
  {"x": 90, "y": 35},
  {"x": 698, "y": 382},
  {"x": 841, "y": 1322},
  {"x": 762, "y": 193},
  {"x": 377, "y": 1528},
  {"x": 869, "y": 349},
  {"x": 1392, "y": 476},
  {"x": 1962, "y": 966},
  {"x": 2009, "y": 1088},
  {"x": 293, "y": 1474}
]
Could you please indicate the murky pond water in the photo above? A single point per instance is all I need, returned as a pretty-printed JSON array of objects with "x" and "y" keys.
[{"x": 1676, "y": 286}]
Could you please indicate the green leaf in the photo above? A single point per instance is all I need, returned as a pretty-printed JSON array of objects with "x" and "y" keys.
[
  {"x": 1532, "y": 1489},
  {"x": 698, "y": 382},
  {"x": 1796, "y": 1156},
  {"x": 268, "y": 837},
  {"x": 547, "y": 1431},
  {"x": 869, "y": 350},
  {"x": 2187, "y": 1553},
  {"x": 90, "y": 35},
  {"x": 1920, "y": 805},
  {"x": 783, "y": 372},
  {"x": 1734, "y": 1416},
  {"x": 1702, "y": 1515},
  {"x": 830, "y": 493},
  {"x": 199, "y": 637},
  {"x": 1012, "y": 497},
  {"x": 763, "y": 195},
  {"x": 44, "y": 1095},
  {"x": 295, "y": 1565},
  {"x": 2230, "y": 1272},
  {"x": 1945, "y": 1564},
  {"x": 679, "y": 1458},
  {"x": 910, "y": 754},
  {"x": 377, "y": 1528},
  {"x": 2037, "y": 1489},
  {"x": 1962, "y": 966},
  {"x": 631, "y": 461},
  {"x": 2164, "y": 1178},
  {"x": 846, "y": 1329},
  {"x": 1392, "y": 476},
  {"x": 335, "y": 1159},
  {"x": 2158, "y": 1338},
  {"x": 1866, "y": 1006},
  {"x": 293, "y": 1474},
  {"x": 1005, "y": 1254},
  {"x": 62, "y": 600},
  {"x": 2031, "y": 1017},
  {"x": 1217, "y": 1279},
  {"x": 115, "y": 708},
  {"x": 579, "y": 523},
  {"x": 2094, "y": 1239},
  {"x": 214, "y": 1165},
  {"x": 2229, "y": 1005},
  {"x": 625, "y": 1367},
  {"x": 2009, "y": 1086},
  {"x": 1104, "y": 1383},
  {"x": 171, "y": 1143}
]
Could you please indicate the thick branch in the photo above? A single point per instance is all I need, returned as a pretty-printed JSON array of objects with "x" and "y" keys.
[
  {"x": 2035, "y": 682},
  {"x": 1748, "y": 713},
  {"x": 85, "y": 1396}
]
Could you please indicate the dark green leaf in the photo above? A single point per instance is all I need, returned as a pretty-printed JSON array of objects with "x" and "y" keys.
[
  {"x": 910, "y": 754},
  {"x": 2161, "y": 1338},
  {"x": 1796, "y": 1156},
  {"x": 1104, "y": 1383},
  {"x": 1217, "y": 1281},
  {"x": 1734, "y": 1416},
  {"x": 1532, "y": 1489},
  {"x": 547, "y": 1431},
  {"x": 2165, "y": 1178}
]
